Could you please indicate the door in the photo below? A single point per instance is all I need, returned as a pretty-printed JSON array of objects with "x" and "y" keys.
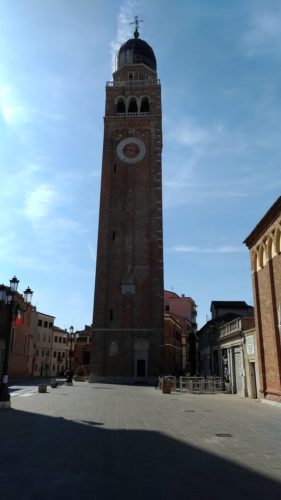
[
  {"x": 141, "y": 368},
  {"x": 238, "y": 370},
  {"x": 253, "y": 381}
]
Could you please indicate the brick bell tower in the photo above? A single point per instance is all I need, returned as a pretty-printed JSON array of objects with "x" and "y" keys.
[{"x": 128, "y": 314}]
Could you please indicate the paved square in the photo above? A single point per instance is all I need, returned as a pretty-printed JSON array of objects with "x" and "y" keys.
[{"x": 134, "y": 443}]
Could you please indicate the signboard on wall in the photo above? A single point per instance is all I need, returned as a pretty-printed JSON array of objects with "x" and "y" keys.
[{"x": 250, "y": 345}]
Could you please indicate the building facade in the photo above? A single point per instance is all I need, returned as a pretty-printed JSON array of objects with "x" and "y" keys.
[
  {"x": 173, "y": 345},
  {"x": 82, "y": 351},
  {"x": 264, "y": 243},
  {"x": 43, "y": 345},
  {"x": 222, "y": 312},
  {"x": 183, "y": 309},
  {"x": 22, "y": 330},
  {"x": 128, "y": 331},
  {"x": 233, "y": 356},
  {"x": 60, "y": 351}
]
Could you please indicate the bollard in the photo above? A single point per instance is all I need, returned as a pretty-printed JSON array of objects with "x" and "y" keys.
[{"x": 42, "y": 388}]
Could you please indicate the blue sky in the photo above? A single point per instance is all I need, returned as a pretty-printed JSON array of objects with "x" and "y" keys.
[{"x": 219, "y": 65}]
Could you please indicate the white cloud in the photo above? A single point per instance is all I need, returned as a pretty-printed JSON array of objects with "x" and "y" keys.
[
  {"x": 194, "y": 249},
  {"x": 124, "y": 29},
  {"x": 40, "y": 201},
  {"x": 12, "y": 110},
  {"x": 264, "y": 34},
  {"x": 12, "y": 252},
  {"x": 188, "y": 133}
]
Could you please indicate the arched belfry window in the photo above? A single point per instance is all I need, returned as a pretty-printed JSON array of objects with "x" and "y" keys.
[
  {"x": 133, "y": 107},
  {"x": 278, "y": 240},
  {"x": 256, "y": 266},
  {"x": 262, "y": 257},
  {"x": 144, "y": 105},
  {"x": 120, "y": 106},
  {"x": 269, "y": 248}
]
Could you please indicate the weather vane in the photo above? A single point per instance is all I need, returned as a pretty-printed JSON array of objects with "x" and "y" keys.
[{"x": 137, "y": 22}]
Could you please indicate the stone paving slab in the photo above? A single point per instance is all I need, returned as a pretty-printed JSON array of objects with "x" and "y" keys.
[{"x": 111, "y": 442}]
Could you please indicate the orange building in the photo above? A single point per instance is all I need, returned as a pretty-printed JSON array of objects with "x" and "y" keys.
[{"x": 183, "y": 310}]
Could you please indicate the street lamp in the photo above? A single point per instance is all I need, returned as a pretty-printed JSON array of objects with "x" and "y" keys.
[
  {"x": 7, "y": 295},
  {"x": 71, "y": 337},
  {"x": 69, "y": 372}
]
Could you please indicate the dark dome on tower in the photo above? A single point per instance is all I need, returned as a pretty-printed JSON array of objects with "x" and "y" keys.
[{"x": 136, "y": 51}]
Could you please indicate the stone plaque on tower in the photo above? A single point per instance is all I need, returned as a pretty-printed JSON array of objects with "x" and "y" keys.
[{"x": 128, "y": 305}]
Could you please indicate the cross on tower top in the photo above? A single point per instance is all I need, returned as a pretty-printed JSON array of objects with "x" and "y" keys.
[{"x": 137, "y": 21}]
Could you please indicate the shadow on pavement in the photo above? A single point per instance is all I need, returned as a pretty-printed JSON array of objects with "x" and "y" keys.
[{"x": 52, "y": 458}]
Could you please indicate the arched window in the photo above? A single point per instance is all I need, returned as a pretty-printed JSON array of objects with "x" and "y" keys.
[
  {"x": 278, "y": 240},
  {"x": 256, "y": 262},
  {"x": 120, "y": 106},
  {"x": 144, "y": 105},
  {"x": 262, "y": 256},
  {"x": 133, "y": 107}
]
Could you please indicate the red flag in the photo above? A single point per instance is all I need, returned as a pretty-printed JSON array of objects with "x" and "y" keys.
[{"x": 17, "y": 317}]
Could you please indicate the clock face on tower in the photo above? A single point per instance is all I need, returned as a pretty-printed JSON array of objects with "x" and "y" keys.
[{"x": 131, "y": 150}]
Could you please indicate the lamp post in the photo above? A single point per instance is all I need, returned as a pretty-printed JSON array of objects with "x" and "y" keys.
[
  {"x": 71, "y": 336},
  {"x": 14, "y": 309}
]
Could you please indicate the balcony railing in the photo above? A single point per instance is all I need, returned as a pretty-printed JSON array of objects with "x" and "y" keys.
[
  {"x": 133, "y": 114},
  {"x": 133, "y": 83}
]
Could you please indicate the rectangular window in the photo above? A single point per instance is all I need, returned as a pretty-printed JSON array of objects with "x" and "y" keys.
[
  {"x": 60, "y": 340},
  {"x": 54, "y": 367},
  {"x": 35, "y": 368},
  {"x": 45, "y": 324},
  {"x": 37, "y": 352},
  {"x": 56, "y": 339},
  {"x": 64, "y": 340},
  {"x": 50, "y": 324},
  {"x": 86, "y": 357},
  {"x": 54, "y": 354},
  {"x": 111, "y": 315},
  {"x": 40, "y": 322}
]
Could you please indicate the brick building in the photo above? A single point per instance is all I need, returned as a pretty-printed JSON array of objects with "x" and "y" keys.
[
  {"x": 173, "y": 346},
  {"x": 82, "y": 350},
  {"x": 183, "y": 309},
  {"x": 128, "y": 332},
  {"x": 22, "y": 329},
  {"x": 264, "y": 243}
]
